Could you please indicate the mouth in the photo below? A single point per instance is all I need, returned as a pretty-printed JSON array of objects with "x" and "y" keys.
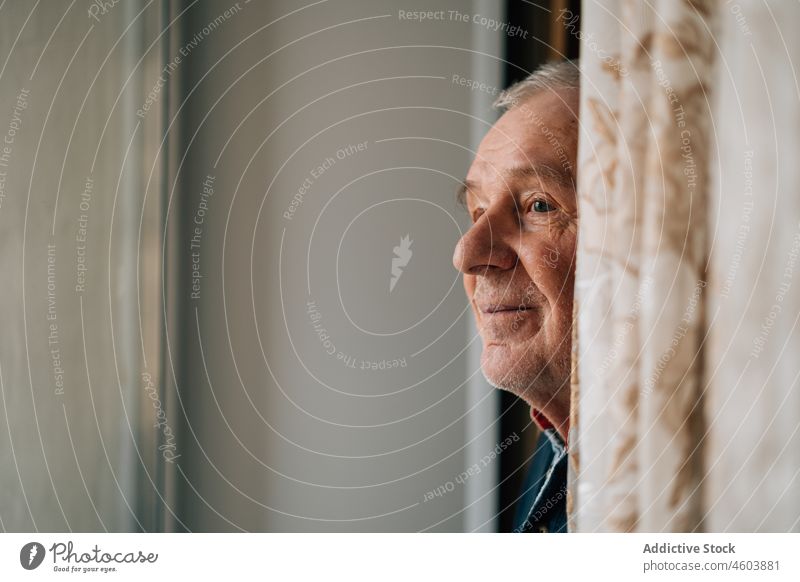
[{"x": 503, "y": 309}]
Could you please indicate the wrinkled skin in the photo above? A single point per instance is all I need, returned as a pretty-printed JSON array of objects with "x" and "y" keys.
[{"x": 518, "y": 257}]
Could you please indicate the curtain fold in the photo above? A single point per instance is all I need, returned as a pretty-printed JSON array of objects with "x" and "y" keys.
[{"x": 675, "y": 97}]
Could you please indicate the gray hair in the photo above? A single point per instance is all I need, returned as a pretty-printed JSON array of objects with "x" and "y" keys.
[{"x": 561, "y": 75}]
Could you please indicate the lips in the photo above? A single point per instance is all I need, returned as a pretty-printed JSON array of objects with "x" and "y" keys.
[
  {"x": 501, "y": 311},
  {"x": 493, "y": 308},
  {"x": 500, "y": 322}
]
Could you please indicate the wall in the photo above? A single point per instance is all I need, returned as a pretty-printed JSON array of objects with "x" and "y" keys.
[{"x": 284, "y": 430}]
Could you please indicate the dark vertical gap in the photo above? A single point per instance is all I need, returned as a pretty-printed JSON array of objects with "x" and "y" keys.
[
  {"x": 526, "y": 52},
  {"x": 573, "y": 44},
  {"x": 523, "y": 54}
]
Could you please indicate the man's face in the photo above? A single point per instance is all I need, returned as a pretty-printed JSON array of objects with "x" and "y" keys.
[{"x": 518, "y": 256}]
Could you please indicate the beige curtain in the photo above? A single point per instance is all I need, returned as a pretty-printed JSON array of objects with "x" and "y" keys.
[{"x": 677, "y": 424}]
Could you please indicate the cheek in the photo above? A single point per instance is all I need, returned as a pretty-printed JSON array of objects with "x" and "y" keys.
[{"x": 551, "y": 265}]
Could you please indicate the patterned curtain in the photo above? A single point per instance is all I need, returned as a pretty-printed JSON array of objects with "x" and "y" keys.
[{"x": 678, "y": 425}]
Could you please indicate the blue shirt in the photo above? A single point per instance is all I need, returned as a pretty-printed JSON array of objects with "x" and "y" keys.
[{"x": 543, "y": 505}]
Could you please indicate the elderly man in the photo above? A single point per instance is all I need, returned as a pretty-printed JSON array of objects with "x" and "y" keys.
[{"x": 518, "y": 260}]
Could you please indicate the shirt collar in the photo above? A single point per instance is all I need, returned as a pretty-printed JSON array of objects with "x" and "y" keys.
[{"x": 558, "y": 444}]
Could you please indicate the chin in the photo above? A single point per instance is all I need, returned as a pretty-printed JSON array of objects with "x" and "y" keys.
[
  {"x": 521, "y": 371},
  {"x": 505, "y": 367}
]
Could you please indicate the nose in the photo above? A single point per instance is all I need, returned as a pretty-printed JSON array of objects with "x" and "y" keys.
[{"x": 487, "y": 245}]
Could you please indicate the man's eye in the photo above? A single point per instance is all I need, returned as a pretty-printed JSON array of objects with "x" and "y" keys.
[{"x": 540, "y": 205}]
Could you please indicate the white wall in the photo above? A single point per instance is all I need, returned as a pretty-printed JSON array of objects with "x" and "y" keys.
[
  {"x": 271, "y": 433},
  {"x": 70, "y": 402},
  {"x": 288, "y": 438}
]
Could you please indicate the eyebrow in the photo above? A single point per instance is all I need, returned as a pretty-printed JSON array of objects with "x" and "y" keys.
[{"x": 545, "y": 172}]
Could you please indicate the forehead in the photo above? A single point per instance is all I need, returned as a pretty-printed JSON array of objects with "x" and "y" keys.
[{"x": 542, "y": 129}]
